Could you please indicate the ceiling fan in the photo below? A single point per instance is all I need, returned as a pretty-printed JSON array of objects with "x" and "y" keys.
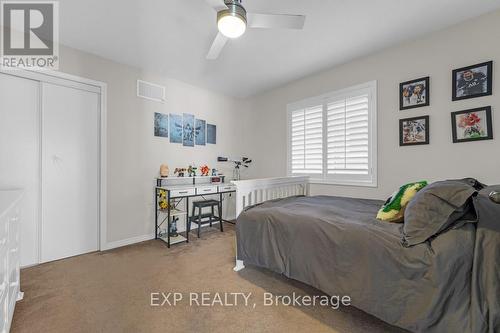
[{"x": 233, "y": 20}]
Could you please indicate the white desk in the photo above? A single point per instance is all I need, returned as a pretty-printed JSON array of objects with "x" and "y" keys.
[{"x": 184, "y": 192}]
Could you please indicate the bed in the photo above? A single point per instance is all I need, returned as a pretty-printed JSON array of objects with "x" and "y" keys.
[{"x": 448, "y": 284}]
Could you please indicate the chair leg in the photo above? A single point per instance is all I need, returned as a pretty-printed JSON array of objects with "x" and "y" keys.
[
  {"x": 189, "y": 219},
  {"x": 211, "y": 216},
  {"x": 219, "y": 208},
  {"x": 199, "y": 221}
]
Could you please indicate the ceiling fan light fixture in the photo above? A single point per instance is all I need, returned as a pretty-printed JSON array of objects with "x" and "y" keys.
[{"x": 232, "y": 22}]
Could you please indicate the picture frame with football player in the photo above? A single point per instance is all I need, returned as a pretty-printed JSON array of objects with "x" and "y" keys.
[{"x": 473, "y": 81}]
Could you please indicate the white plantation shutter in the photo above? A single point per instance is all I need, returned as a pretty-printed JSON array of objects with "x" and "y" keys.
[
  {"x": 333, "y": 137},
  {"x": 348, "y": 136},
  {"x": 307, "y": 141}
]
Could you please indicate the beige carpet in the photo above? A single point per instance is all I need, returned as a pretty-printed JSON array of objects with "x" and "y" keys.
[{"x": 110, "y": 292}]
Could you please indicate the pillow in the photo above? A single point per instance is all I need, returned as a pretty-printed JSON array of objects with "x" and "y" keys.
[
  {"x": 435, "y": 208},
  {"x": 472, "y": 182},
  {"x": 394, "y": 208}
]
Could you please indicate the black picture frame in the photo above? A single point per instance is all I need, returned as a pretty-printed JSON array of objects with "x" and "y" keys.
[
  {"x": 489, "y": 81},
  {"x": 402, "y": 142},
  {"x": 489, "y": 124},
  {"x": 427, "y": 93}
]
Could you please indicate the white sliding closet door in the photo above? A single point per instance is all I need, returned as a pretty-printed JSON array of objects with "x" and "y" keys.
[
  {"x": 20, "y": 154},
  {"x": 70, "y": 177}
]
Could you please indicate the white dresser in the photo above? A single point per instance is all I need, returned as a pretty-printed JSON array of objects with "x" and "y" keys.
[{"x": 10, "y": 293}]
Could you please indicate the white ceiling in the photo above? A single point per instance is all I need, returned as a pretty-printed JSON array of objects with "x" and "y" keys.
[{"x": 172, "y": 37}]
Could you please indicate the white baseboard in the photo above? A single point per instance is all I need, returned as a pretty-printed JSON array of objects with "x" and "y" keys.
[
  {"x": 127, "y": 241},
  {"x": 143, "y": 238}
]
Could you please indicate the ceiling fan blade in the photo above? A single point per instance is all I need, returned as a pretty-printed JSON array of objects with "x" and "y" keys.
[
  {"x": 217, "y": 45},
  {"x": 276, "y": 21},
  {"x": 218, "y": 5}
]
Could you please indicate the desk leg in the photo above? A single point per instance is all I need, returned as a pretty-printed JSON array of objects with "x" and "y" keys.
[
  {"x": 188, "y": 222},
  {"x": 219, "y": 208},
  {"x": 156, "y": 213},
  {"x": 168, "y": 220}
]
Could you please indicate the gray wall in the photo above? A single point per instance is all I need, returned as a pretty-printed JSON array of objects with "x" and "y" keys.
[
  {"x": 436, "y": 56},
  {"x": 134, "y": 153}
]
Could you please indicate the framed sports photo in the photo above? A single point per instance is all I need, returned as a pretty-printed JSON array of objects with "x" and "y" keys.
[
  {"x": 414, "y": 94},
  {"x": 414, "y": 131},
  {"x": 473, "y": 81},
  {"x": 472, "y": 125}
]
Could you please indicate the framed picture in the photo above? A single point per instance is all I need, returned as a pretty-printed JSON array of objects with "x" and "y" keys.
[
  {"x": 211, "y": 134},
  {"x": 473, "y": 81},
  {"x": 472, "y": 125},
  {"x": 188, "y": 130},
  {"x": 414, "y": 94},
  {"x": 161, "y": 125},
  {"x": 414, "y": 131},
  {"x": 175, "y": 128},
  {"x": 200, "y": 132}
]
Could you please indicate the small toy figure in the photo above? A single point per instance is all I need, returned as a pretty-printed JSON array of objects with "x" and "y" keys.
[
  {"x": 192, "y": 171},
  {"x": 173, "y": 227},
  {"x": 205, "y": 170},
  {"x": 164, "y": 170},
  {"x": 179, "y": 172}
]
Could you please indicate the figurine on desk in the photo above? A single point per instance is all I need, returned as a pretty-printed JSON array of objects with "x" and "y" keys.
[
  {"x": 164, "y": 171},
  {"x": 204, "y": 170},
  {"x": 192, "y": 171},
  {"x": 179, "y": 172}
]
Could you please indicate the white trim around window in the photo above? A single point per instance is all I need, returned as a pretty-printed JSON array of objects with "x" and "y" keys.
[{"x": 333, "y": 137}]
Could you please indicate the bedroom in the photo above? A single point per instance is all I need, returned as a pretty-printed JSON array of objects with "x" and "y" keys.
[{"x": 139, "y": 90}]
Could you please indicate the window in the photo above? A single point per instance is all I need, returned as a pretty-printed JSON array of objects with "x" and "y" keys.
[
  {"x": 307, "y": 140},
  {"x": 332, "y": 138}
]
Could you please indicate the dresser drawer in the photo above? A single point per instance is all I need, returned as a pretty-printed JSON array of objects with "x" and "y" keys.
[
  {"x": 206, "y": 190},
  {"x": 4, "y": 274},
  {"x": 4, "y": 313},
  {"x": 227, "y": 188},
  {"x": 182, "y": 192}
]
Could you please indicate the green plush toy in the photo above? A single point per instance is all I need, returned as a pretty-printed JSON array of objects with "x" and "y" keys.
[{"x": 394, "y": 208}]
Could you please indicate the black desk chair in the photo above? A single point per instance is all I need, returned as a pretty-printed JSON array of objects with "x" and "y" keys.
[{"x": 198, "y": 218}]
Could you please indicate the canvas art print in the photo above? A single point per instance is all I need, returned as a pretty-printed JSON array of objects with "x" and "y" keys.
[
  {"x": 472, "y": 125},
  {"x": 473, "y": 81},
  {"x": 414, "y": 131},
  {"x": 211, "y": 134},
  {"x": 188, "y": 130},
  {"x": 200, "y": 132},
  {"x": 414, "y": 94},
  {"x": 175, "y": 128},
  {"x": 161, "y": 125}
]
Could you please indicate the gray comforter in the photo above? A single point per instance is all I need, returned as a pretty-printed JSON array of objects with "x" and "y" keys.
[{"x": 448, "y": 284}]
